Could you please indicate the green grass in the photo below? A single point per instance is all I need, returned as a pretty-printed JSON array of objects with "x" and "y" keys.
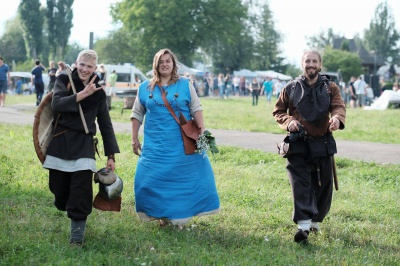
[
  {"x": 253, "y": 228},
  {"x": 239, "y": 114}
]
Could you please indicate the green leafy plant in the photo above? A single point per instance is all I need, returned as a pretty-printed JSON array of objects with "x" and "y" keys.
[{"x": 206, "y": 142}]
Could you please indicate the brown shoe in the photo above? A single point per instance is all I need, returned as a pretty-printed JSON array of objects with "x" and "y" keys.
[{"x": 301, "y": 236}]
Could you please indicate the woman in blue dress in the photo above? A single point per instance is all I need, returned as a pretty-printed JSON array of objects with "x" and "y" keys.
[{"x": 170, "y": 186}]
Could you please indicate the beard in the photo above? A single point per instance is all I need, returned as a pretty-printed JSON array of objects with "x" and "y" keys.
[{"x": 313, "y": 74}]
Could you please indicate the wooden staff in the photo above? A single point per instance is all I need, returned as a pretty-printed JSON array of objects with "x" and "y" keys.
[{"x": 335, "y": 179}]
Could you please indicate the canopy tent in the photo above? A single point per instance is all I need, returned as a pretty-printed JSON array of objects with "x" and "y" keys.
[
  {"x": 387, "y": 97},
  {"x": 182, "y": 70},
  {"x": 273, "y": 74},
  {"x": 245, "y": 73}
]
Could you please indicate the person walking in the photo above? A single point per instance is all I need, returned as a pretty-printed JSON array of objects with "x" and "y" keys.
[
  {"x": 112, "y": 80},
  {"x": 170, "y": 186},
  {"x": 70, "y": 156},
  {"x": 37, "y": 80},
  {"x": 5, "y": 81},
  {"x": 352, "y": 92},
  {"x": 361, "y": 90},
  {"x": 255, "y": 90},
  {"x": 242, "y": 86},
  {"x": 221, "y": 85},
  {"x": 278, "y": 85},
  {"x": 52, "y": 75},
  {"x": 310, "y": 108},
  {"x": 267, "y": 88}
]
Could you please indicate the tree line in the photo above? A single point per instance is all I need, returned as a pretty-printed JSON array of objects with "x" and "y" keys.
[{"x": 224, "y": 35}]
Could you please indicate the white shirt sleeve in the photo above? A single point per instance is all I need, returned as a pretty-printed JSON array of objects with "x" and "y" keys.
[{"x": 194, "y": 104}]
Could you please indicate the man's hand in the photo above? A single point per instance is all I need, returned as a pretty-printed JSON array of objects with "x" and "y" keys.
[
  {"x": 293, "y": 126},
  {"x": 334, "y": 124}
]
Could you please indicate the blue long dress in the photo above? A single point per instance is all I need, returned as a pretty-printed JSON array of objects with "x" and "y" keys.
[{"x": 169, "y": 184}]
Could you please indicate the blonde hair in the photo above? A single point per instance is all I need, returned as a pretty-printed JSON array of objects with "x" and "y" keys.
[
  {"x": 156, "y": 62},
  {"x": 88, "y": 55}
]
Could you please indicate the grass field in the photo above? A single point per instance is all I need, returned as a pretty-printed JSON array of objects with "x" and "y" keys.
[{"x": 253, "y": 228}]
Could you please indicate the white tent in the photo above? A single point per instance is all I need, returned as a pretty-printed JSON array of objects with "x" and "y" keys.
[
  {"x": 387, "y": 97},
  {"x": 182, "y": 70},
  {"x": 273, "y": 74},
  {"x": 245, "y": 73}
]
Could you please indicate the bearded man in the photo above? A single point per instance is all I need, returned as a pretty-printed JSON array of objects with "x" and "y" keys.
[{"x": 310, "y": 108}]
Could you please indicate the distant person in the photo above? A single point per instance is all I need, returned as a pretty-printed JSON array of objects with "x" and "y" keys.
[
  {"x": 102, "y": 72},
  {"x": 18, "y": 86},
  {"x": 313, "y": 103},
  {"x": 255, "y": 90},
  {"x": 5, "y": 80},
  {"x": 369, "y": 96},
  {"x": 37, "y": 80},
  {"x": 352, "y": 93},
  {"x": 228, "y": 85},
  {"x": 215, "y": 85},
  {"x": 52, "y": 75},
  {"x": 360, "y": 87},
  {"x": 206, "y": 84},
  {"x": 278, "y": 85},
  {"x": 62, "y": 68},
  {"x": 221, "y": 85},
  {"x": 112, "y": 80},
  {"x": 267, "y": 89},
  {"x": 236, "y": 83},
  {"x": 242, "y": 86}
]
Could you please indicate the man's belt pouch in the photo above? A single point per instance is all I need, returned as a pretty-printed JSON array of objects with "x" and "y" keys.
[{"x": 322, "y": 147}]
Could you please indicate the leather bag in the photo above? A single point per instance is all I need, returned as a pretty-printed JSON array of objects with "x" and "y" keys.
[{"x": 190, "y": 134}]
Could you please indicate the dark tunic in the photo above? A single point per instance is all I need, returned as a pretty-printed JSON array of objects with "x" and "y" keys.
[{"x": 73, "y": 143}]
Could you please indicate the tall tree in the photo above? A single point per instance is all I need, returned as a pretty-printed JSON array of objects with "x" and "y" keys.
[
  {"x": 382, "y": 36},
  {"x": 181, "y": 25},
  {"x": 161, "y": 24},
  {"x": 348, "y": 63},
  {"x": 118, "y": 48},
  {"x": 12, "y": 44},
  {"x": 322, "y": 40},
  {"x": 59, "y": 21},
  {"x": 32, "y": 25},
  {"x": 267, "y": 39}
]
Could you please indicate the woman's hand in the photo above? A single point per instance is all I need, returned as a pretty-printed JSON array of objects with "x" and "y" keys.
[{"x": 136, "y": 146}]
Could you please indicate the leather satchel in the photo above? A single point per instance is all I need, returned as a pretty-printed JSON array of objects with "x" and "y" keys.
[
  {"x": 190, "y": 134},
  {"x": 189, "y": 130}
]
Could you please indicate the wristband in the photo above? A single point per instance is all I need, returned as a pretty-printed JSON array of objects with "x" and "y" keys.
[{"x": 112, "y": 157}]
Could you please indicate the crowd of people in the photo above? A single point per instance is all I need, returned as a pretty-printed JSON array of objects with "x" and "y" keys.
[
  {"x": 357, "y": 93},
  {"x": 224, "y": 86}
]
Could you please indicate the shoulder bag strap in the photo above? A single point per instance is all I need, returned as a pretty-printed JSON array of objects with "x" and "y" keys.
[
  {"x": 167, "y": 104},
  {"x": 79, "y": 105},
  {"x": 291, "y": 93}
]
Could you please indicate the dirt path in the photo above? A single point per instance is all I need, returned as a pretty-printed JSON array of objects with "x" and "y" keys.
[{"x": 361, "y": 151}]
